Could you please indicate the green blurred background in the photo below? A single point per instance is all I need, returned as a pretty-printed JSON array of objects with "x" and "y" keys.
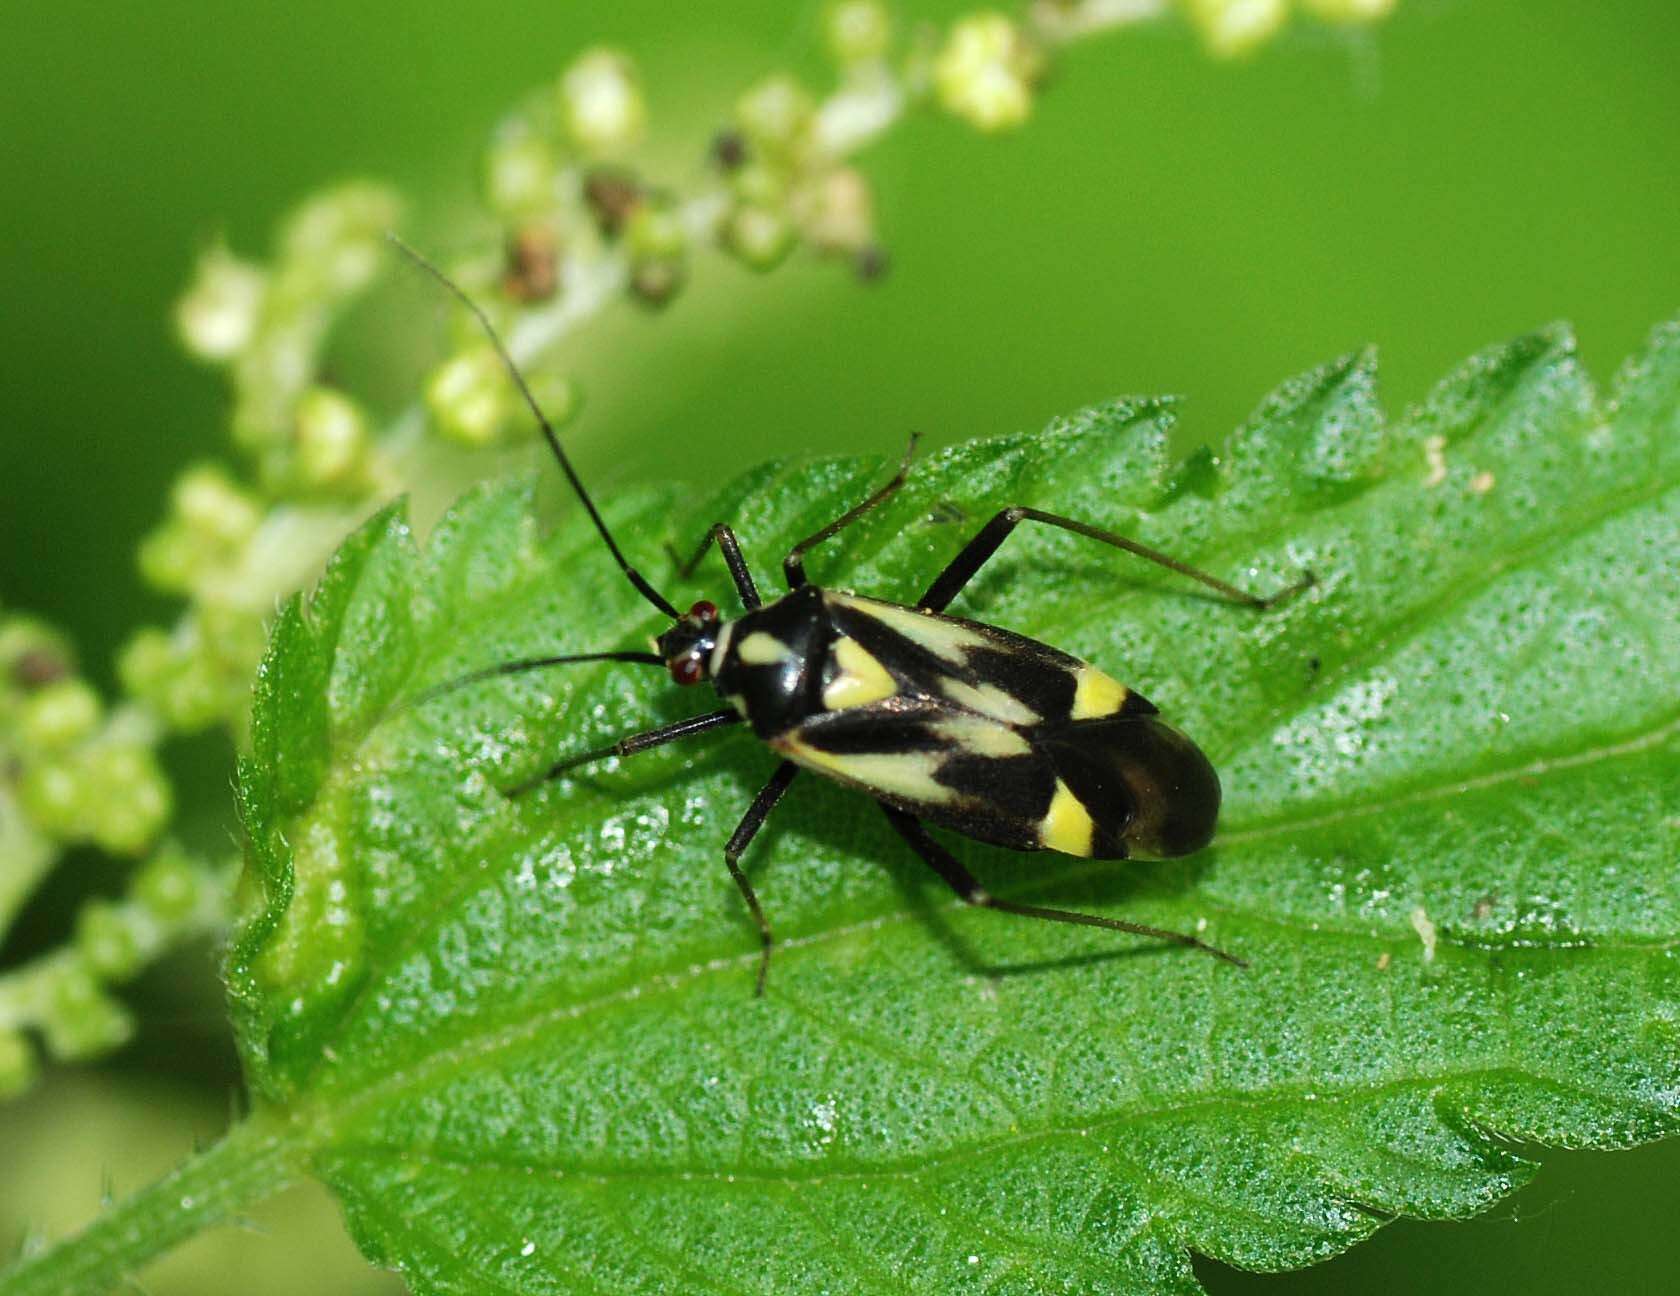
[{"x": 1167, "y": 222}]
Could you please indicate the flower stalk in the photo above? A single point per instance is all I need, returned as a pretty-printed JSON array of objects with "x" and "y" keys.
[{"x": 252, "y": 1162}]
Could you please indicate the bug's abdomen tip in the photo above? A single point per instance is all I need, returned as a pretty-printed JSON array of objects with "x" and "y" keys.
[
  {"x": 1178, "y": 794},
  {"x": 1148, "y": 789}
]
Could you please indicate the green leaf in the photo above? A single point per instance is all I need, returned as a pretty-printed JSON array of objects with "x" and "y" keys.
[{"x": 519, "y": 1038}]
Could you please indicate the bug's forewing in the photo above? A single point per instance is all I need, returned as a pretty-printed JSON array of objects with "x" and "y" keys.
[{"x": 939, "y": 762}]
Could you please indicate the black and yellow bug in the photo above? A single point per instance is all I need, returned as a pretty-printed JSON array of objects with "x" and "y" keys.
[{"x": 940, "y": 720}]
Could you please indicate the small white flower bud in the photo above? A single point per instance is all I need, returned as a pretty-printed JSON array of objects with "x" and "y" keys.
[
  {"x": 332, "y": 437},
  {"x": 760, "y": 236},
  {"x": 985, "y": 70},
  {"x": 839, "y": 215},
  {"x": 601, "y": 102},
  {"x": 218, "y": 315},
  {"x": 775, "y": 116},
  {"x": 1349, "y": 11},
  {"x": 213, "y": 508},
  {"x": 59, "y": 714},
  {"x": 1232, "y": 27},
  {"x": 465, "y": 397},
  {"x": 857, "y": 30},
  {"x": 519, "y": 171}
]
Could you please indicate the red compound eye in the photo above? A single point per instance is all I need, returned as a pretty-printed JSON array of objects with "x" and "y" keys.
[
  {"x": 687, "y": 670},
  {"x": 704, "y": 610}
]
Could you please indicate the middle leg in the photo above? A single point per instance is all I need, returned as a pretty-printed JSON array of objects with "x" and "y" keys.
[
  {"x": 949, "y": 583},
  {"x": 738, "y": 842}
]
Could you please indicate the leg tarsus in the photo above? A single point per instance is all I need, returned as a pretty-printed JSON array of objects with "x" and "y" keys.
[
  {"x": 1288, "y": 592},
  {"x": 969, "y": 890},
  {"x": 766, "y": 939}
]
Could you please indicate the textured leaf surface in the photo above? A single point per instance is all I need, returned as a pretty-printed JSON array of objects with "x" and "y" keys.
[{"x": 520, "y": 1034}]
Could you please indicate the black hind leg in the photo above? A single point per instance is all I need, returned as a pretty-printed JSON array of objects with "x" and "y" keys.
[
  {"x": 949, "y": 583},
  {"x": 960, "y": 880}
]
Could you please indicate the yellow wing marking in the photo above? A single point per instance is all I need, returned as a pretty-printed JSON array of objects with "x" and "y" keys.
[
  {"x": 989, "y": 700},
  {"x": 1096, "y": 695},
  {"x": 945, "y": 639},
  {"x": 1067, "y": 825},
  {"x": 903, "y": 774},
  {"x": 861, "y": 679},
  {"x": 982, "y": 737}
]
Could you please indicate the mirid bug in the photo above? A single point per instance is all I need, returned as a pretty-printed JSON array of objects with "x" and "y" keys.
[{"x": 941, "y": 721}]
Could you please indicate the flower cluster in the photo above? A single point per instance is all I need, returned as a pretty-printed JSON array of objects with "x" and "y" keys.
[
  {"x": 172, "y": 897},
  {"x": 73, "y": 773},
  {"x": 233, "y": 542},
  {"x": 1239, "y": 26},
  {"x": 572, "y": 222}
]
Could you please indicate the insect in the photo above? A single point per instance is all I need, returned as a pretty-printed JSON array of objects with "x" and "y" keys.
[{"x": 939, "y": 720}]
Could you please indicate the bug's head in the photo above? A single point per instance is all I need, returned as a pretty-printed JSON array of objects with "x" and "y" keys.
[{"x": 687, "y": 645}]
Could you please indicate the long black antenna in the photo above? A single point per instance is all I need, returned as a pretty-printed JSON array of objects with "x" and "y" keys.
[
  {"x": 646, "y": 590},
  {"x": 529, "y": 664}
]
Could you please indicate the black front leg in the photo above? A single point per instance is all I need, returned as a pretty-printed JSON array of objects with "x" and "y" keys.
[
  {"x": 793, "y": 566},
  {"x": 960, "y": 880},
  {"x": 724, "y": 538},
  {"x": 738, "y": 842},
  {"x": 632, "y": 744}
]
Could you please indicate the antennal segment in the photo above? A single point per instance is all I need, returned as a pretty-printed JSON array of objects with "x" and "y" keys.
[
  {"x": 524, "y": 664},
  {"x": 646, "y": 590}
]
